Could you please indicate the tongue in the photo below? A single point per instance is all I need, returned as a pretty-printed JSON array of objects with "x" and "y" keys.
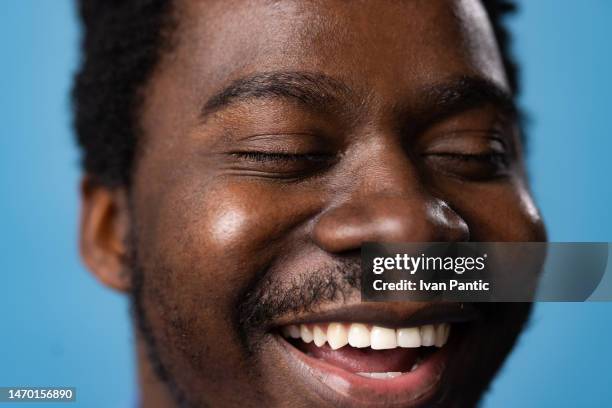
[{"x": 364, "y": 359}]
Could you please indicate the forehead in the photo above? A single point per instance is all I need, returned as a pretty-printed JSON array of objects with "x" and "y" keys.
[
  {"x": 387, "y": 49},
  {"x": 383, "y": 41}
]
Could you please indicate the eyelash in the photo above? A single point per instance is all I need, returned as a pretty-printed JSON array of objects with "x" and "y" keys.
[
  {"x": 284, "y": 157},
  {"x": 488, "y": 158},
  {"x": 478, "y": 166}
]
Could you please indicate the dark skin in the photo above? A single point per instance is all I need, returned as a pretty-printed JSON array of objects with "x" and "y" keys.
[{"x": 345, "y": 122}]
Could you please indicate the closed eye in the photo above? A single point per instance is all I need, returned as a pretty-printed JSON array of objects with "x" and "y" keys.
[
  {"x": 282, "y": 164},
  {"x": 493, "y": 157},
  {"x": 478, "y": 166},
  {"x": 286, "y": 157}
]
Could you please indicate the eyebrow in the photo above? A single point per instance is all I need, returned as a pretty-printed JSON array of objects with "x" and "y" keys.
[
  {"x": 310, "y": 89},
  {"x": 460, "y": 94},
  {"x": 321, "y": 92}
]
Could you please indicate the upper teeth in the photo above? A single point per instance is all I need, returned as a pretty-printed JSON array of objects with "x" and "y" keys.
[{"x": 360, "y": 335}]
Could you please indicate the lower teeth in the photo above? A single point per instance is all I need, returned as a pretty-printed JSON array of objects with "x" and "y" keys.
[
  {"x": 387, "y": 375},
  {"x": 381, "y": 376}
]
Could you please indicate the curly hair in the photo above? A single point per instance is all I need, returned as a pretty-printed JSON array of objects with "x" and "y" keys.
[{"x": 122, "y": 42}]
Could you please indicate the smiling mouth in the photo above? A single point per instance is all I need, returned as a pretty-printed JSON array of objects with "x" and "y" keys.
[
  {"x": 376, "y": 355},
  {"x": 367, "y": 350}
]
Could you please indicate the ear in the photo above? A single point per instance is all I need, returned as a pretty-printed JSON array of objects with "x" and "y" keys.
[{"x": 104, "y": 232}]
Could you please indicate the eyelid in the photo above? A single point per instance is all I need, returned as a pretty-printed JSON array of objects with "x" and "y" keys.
[
  {"x": 469, "y": 142},
  {"x": 285, "y": 153},
  {"x": 282, "y": 165},
  {"x": 305, "y": 163},
  {"x": 275, "y": 136},
  {"x": 284, "y": 142},
  {"x": 271, "y": 156}
]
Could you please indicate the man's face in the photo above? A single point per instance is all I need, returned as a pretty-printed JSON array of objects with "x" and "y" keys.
[{"x": 278, "y": 136}]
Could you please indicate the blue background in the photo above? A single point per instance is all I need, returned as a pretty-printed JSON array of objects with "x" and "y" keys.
[{"x": 60, "y": 327}]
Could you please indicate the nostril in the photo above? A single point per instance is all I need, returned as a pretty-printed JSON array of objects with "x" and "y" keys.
[{"x": 388, "y": 219}]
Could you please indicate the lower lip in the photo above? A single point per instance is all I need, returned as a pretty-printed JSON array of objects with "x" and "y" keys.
[{"x": 341, "y": 387}]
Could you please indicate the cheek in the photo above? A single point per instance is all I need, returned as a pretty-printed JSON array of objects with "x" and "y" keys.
[
  {"x": 233, "y": 222},
  {"x": 207, "y": 224},
  {"x": 201, "y": 245},
  {"x": 204, "y": 244},
  {"x": 504, "y": 212},
  {"x": 228, "y": 225}
]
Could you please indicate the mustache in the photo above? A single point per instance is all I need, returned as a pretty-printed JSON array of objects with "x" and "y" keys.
[{"x": 268, "y": 298}]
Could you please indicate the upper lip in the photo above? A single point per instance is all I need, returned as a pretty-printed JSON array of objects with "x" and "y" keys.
[{"x": 388, "y": 314}]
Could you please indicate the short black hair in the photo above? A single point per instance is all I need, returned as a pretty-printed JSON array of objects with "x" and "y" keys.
[{"x": 122, "y": 42}]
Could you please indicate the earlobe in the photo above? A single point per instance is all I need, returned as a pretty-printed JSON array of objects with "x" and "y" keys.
[{"x": 104, "y": 233}]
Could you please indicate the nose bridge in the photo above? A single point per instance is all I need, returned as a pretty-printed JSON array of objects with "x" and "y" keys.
[
  {"x": 386, "y": 170},
  {"x": 387, "y": 202}
]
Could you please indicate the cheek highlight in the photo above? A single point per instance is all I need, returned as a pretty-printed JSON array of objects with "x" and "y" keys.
[
  {"x": 245, "y": 218},
  {"x": 528, "y": 205},
  {"x": 228, "y": 225}
]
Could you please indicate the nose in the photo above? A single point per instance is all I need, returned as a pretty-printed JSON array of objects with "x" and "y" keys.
[
  {"x": 397, "y": 210},
  {"x": 389, "y": 219}
]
